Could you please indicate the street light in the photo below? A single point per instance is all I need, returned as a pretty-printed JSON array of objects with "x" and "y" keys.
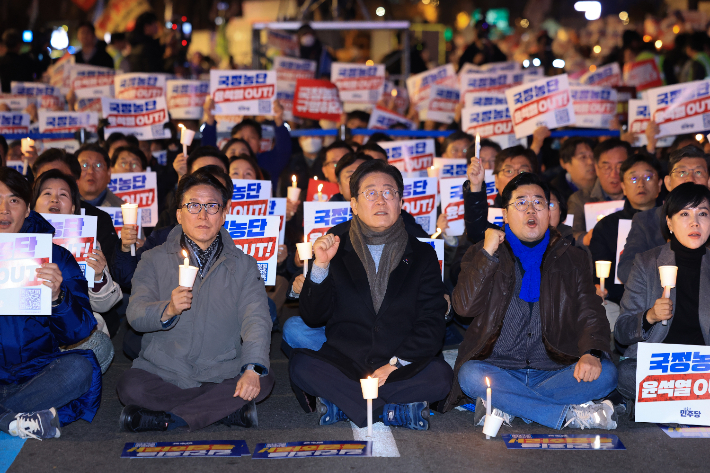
[
  {"x": 592, "y": 10},
  {"x": 380, "y": 11}
]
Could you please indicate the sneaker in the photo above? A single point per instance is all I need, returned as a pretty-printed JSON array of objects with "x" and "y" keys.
[
  {"x": 37, "y": 425},
  {"x": 244, "y": 417},
  {"x": 138, "y": 419},
  {"x": 591, "y": 416},
  {"x": 479, "y": 417},
  {"x": 414, "y": 415},
  {"x": 329, "y": 412}
]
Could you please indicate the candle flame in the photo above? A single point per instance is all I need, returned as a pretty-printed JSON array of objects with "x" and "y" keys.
[
  {"x": 394, "y": 92},
  {"x": 315, "y": 178},
  {"x": 438, "y": 230},
  {"x": 488, "y": 383},
  {"x": 369, "y": 377},
  {"x": 180, "y": 125},
  {"x": 293, "y": 179},
  {"x": 184, "y": 253},
  {"x": 320, "y": 188}
]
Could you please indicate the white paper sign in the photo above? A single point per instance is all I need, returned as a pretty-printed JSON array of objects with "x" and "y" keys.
[
  {"x": 544, "y": 102},
  {"x": 639, "y": 116},
  {"x": 358, "y": 83},
  {"x": 186, "y": 98},
  {"x": 14, "y": 122},
  {"x": 595, "y": 211},
  {"x": 411, "y": 157},
  {"x": 490, "y": 82},
  {"x": 67, "y": 122},
  {"x": 452, "y": 204},
  {"x": 400, "y": 95},
  {"x": 609, "y": 75},
  {"x": 138, "y": 188},
  {"x": 257, "y": 236},
  {"x": 450, "y": 167},
  {"x": 117, "y": 217},
  {"x": 289, "y": 70},
  {"x": 491, "y": 191},
  {"x": 420, "y": 201},
  {"x": 250, "y": 197},
  {"x": 493, "y": 123},
  {"x": 277, "y": 206},
  {"x": 48, "y": 97},
  {"x": 319, "y": 217},
  {"x": 15, "y": 103},
  {"x": 624, "y": 229},
  {"x": 143, "y": 118},
  {"x": 77, "y": 234},
  {"x": 139, "y": 85},
  {"x": 91, "y": 81},
  {"x": 243, "y": 92},
  {"x": 495, "y": 216},
  {"x": 21, "y": 293},
  {"x": 594, "y": 107},
  {"x": 672, "y": 383},
  {"x": 17, "y": 165},
  {"x": 382, "y": 119},
  {"x": 438, "y": 246},
  {"x": 419, "y": 85},
  {"x": 483, "y": 99},
  {"x": 442, "y": 103},
  {"x": 681, "y": 108}
]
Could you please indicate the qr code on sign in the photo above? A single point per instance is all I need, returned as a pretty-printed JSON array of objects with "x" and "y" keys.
[
  {"x": 30, "y": 299},
  {"x": 264, "y": 106},
  {"x": 145, "y": 217},
  {"x": 158, "y": 131},
  {"x": 562, "y": 116},
  {"x": 264, "y": 270},
  {"x": 706, "y": 121}
]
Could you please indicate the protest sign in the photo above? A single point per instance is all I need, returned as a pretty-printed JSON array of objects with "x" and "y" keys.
[
  {"x": 420, "y": 201},
  {"x": 250, "y": 197},
  {"x": 285, "y": 98},
  {"x": 15, "y": 103},
  {"x": 161, "y": 157},
  {"x": 48, "y": 97},
  {"x": 317, "y": 99},
  {"x": 329, "y": 448},
  {"x": 328, "y": 190},
  {"x": 399, "y": 94},
  {"x": 438, "y": 246},
  {"x": 67, "y": 122},
  {"x": 609, "y": 75},
  {"x": 624, "y": 229},
  {"x": 77, "y": 234},
  {"x": 268, "y": 133},
  {"x": 544, "y": 102},
  {"x": 14, "y": 123},
  {"x": 411, "y": 157},
  {"x": 495, "y": 216},
  {"x": 490, "y": 183},
  {"x": 450, "y": 167},
  {"x": 186, "y": 98},
  {"x": 639, "y": 116},
  {"x": 419, "y": 85},
  {"x": 59, "y": 72},
  {"x": 319, "y": 217},
  {"x": 681, "y": 108},
  {"x": 672, "y": 383},
  {"x": 277, "y": 206},
  {"x": 117, "y": 216},
  {"x": 91, "y": 81},
  {"x": 595, "y": 211},
  {"x": 358, "y": 83},
  {"x": 490, "y": 82},
  {"x": 139, "y": 85},
  {"x": 285, "y": 42},
  {"x": 642, "y": 74},
  {"x": 20, "y": 166},
  {"x": 442, "y": 103},
  {"x": 257, "y": 236},
  {"x": 452, "y": 204},
  {"x": 243, "y": 92},
  {"x": 138, "y": 188},
  {"x": 186, "y": 449},
  {"x": 562, "y": 442},
  {"x": 594, "y": 107},
  {"x": 145, "y": 119},
  {"x": 493, "y": 123},
  {"x": 382, "y": 119},
  {"x": 483, "y": 99},
  {"x": 21, "y": 292},
  {"x": 685, "y": 432},
  {"x": 288, "y": 71}
]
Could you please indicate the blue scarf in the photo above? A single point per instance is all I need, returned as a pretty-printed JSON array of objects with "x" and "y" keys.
[{"x": 531, "y": 259}]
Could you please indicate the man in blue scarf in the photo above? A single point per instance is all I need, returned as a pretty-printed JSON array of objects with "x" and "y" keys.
[{"x": 538, "y": 332}]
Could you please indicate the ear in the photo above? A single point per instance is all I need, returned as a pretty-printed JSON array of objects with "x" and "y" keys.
[
  {"x": 27, "y": 212},
  {"x": 667, "y": 182},
  {"x": 659, "y": 187},
  {"x": 179, "y": 215},
  {"x": 669, "y": 223},
  {"x": 505, "y": 216},
  {"x": 353, "y": 205},
  {"x": 623, "y": 187}
]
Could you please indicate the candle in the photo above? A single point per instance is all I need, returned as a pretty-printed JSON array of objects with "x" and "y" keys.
[
  {"x": 603, "y": 269},
  {"x": 294, "y": 193},
  {"x": 186, "y": 137},
  {"x": 433, "y": 171},
  {"x": 320, "y": 194},
  {"x": 26, "y": 145},
  {"x": 369, "y": 392},
  {"x": 478, "y": 146},
  {"x": 436, "y": 235},
  {"x": 293, "y": 181},
  {"x": 305, "y": 252},
  {"x": 187, "y": 273},
  {"x": 394, "y": 92},
  {"x": 668, "y": 276},
  {"x": 130, "y": 217},
  {"x": 187, "y": 260},
  {"x": 488, "y": 402}
]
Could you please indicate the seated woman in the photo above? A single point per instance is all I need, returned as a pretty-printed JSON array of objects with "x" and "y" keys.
[
  {"x": 378, "y": 291},
  {"x": 57, "y": 193},
  {"x": 687, "y": 215},
  {"x": 42, "y": 387}
]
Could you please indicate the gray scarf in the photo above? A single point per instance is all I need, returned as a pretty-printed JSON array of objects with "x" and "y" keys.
[
  {"x": 205, "y": 258},
  {"x": 395, "y": 241}
]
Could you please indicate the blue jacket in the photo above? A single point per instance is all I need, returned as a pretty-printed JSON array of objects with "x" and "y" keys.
[{"x": 29, "y": 343}]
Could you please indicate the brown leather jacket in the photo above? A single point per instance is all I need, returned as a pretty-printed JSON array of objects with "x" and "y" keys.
[{"x": 572, "y": 316}]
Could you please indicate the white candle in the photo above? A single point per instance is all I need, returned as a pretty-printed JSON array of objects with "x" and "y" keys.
[
  {"x": 26, "y": 145},
  {"x": 432, "y": 171},
  {"x": 436, "y": 235},
  {"x": 668, "y": 275},
  {"x": 186, "y": 137},
  {"x": 369, "y": 392},
  {"x": 305, "y": 251},
  {"x": 320, "y": 194},
  {"x": 130, "y": 217},
  {"x": 294, "y": 193},
  {"x": 478, "y": 146},
  {"x": 187, "y": 273},
  {"x": 488, "y": 402},
  {"x": 603, "y": 269}
]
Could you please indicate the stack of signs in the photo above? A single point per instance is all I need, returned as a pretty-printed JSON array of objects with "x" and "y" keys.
[
  {"x": 77, "y": 234},
  {"x": 286, "y": 43},
  {"x": 250, "y": 197},
  {"x": 419, "y": 85},
  {"x": 672, "y": 383},
  {"x": 450, "y": 167},
  {"x": 595, "y": 211},
  {"x": 420, "y": 201},
  {"x": 401, "y": 98},
  {"x": 288, "y": 71},
  {"x": 483, "y": 99},
  {"x": 594, "y": 107},
  {"x": 544, "y": 102},
  {"x": 317, "y": 99},
  {"x": 186, "y": 98},
  {"x": 243, "y": 92},
  {"x": 493, "y": 123},
  {"x": 438, "y": 246},
  {"x": 89, "y": 84},
  {"x": 681, "y": 108},
  {"x": 15, "y": 103},
  {"x": 490, "y": 82},
  {"x": 642, "y": 74},
  {"x": 139, "y": 85},
  {"x": 608, "y": 76},
  {"x": 319, "y": 217},
  {"x": 138, "y": 188},
  {"x": 277, "y": 206},
  {"x": 21, "y": 292},
  {"x": 383, "y": 119},
  {"x": 358, "y": 84},
  {"x": 66, "y": 122},
  {"x": 442, "y": 104},
  {"x": 639, "y": 116},
  {"x": 257, "y": 236},
  {"x": 14, "y": 123},
  {"x": 48, "y": 97},
  {"x": 117, "y": 217},
  {"x": 143, "y": 118},
  {"x": 411, "y": 157},
  {"x": 452, "y": 204}
]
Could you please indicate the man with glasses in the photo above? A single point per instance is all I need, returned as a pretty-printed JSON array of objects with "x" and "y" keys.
[
  {"x": 686, "y": 164},
  {"x": 538, "y": 329},
  {"x": 95, "y": 177},
  {"x": 205, "y": 353},
  {"x": 608, "y": 156},
  {"x": 128, "y": 159},
  {"x": 577, "y": 161},
  {"x": 333, "y": 154}
]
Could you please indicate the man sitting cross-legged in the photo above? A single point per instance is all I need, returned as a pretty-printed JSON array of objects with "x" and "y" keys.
[{"x": 539, "y": 331}]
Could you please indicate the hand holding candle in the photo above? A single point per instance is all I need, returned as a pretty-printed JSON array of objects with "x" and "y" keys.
[
  {"x": 436, "y": 234},
  {"x": 294, "y": 193},
  {"x": 305, "y": 252},
  {"x": 187, "y": 273},
  {"x": 186, "y": 137},
  {"x": 668, "y": 276},
  {"x": 130, "y": 217},
  {"x": 478, "y": 146},
  {"x": 603, "y": 270}
]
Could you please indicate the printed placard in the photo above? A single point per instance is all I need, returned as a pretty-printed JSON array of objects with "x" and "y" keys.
[
  {"x": 452, "y": 204},
  {"x": 15, "y": 103},
  {"x": 21, "y": 292},
  {"x": 14, "y": 122},
  {"x": 594, "y": 107},
  {"x": 490, "y": 81},
  {"x": 77, "y": 234},
  {"x": 91, "y": 81},
  {"x": 285, "y": 42},
  {"x": 685, "y": 432},
  {"x": 492, "y": 122},
  {"x": 401, "y": 97},
  {"x": 117, "y": 217},
  {"x": 484, "y": 99},
  {"x": 243, "y": 92},
  {"x": 382, "y": 119},
  {"x": 328, "y": 190},
  {"x": 495, "y": 216},
  {"x": 420, "y": 201},
  {"x": 562, "y": 442},
  {"x": 250, "y": 197},
  {"x": 186, "y": 449},
  {"x": 411, "y": 157},
  {"x": 642, "y": 74},
  {"x": 490, "y": 182},
  {"x": 317, "y": 99},
  {"x": 672, "y": 383},
  {"x": 450, "y": 167},
  {"x": 285, "y": 98},
  {"x": 186, "y": 98},
  {"x": 544, "y": 102},
  {"x": 142, "y": 118},
  {"x": 358, "y": 83},
  {"x": 138, "y": 188},
  {"x": 639, "y": 116},
  {"x": 18, "y": 166},
  {"x": 67, "y": 122},
  {"x": 328, "y": 448},
  {"x": 48, "y": 97},
  {"x": 442, "y": 103},
  {"x": 319, "y": 217},
  {"x": 289, "y": 70},
  {"x": 277, "y": 206},
  {"x": 438, "y": 246},
  {"x": 624, "y": 229},
  {"x": 609, "y": 75},
  {"x": 595, "y": 211},
  {"x": 681, "y": 108},
  {"x": 257, "y": 236},
  {"x": 59, "y": 71},
  {"x": 419, "y": 85},
  {"x": 139, "y": 85}
]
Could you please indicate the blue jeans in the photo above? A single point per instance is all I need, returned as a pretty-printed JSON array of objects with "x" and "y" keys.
[
  {"x": 64, "y": 379},
  {"x": 299, "y": 335},
  {"x": 540, "y": 396}
]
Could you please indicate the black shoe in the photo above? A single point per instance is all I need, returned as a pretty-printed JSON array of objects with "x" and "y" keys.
[
  {"x": 139, "y": 419},
  {"x": 244, "y": 417}
]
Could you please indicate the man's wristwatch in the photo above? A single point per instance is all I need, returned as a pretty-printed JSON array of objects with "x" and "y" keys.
[
  {"x": 596, "y": 353},
  {"x": 394, "y": 361}
]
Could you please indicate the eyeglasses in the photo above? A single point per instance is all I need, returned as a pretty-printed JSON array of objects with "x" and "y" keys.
[
  {"x": 510, "y": 172},
  {"x": 126, "y": 165},
  {"x": 608, "y": 168},
  {"x": 386, "y": 194},
  {"x": 524, "y": 204},
  {"x": 95, "y": 166},
  {"x": 696, "y": 173},
  {"x": 645, "y": 178},
  {"x": 195, "y": 207},
  {"x": 553, "y": 206},
  {"x": 584, "y": 157},
  {"x": 332, "y": 163}
]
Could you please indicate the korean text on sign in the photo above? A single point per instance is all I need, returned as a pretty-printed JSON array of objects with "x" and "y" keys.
[
  {"x": 138, "y": 188},
  {"x": 76, "y": 234},
  {"x": 14, "y": 122},
  {"x": 186, "y": 98},
  {"x": 420, "y": 201},
  {"x": 452, "y": 203},
  {"x": 257, "y": 237},
  {"x": 21, "y": 292},
  {"x": 319, "y": 217},
  {"x": 243, "y": 92},
  {"x": 594, "y": 107},
  {"x": 419, "y": 85},
  {"x": 358, "y": 83},
  {"x": 250, "y": 197},
  {"x": 411, "y": 157},
  {"x": 544, "y": 102},
  {"x": 681, "y": 108},
  {"x": 138, "y": 85},
  {"x": 317, "y": 99},
  {"x": 491, "y": 122}
]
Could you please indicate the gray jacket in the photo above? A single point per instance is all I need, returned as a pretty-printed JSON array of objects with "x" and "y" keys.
[
  {"x": 575, "y": 206},
  {"x": 227, "y": 326},
  {"x": 642, "y": 290},
  {"x": 645, "y": 235},
  {"x": 111, "y": 200}
]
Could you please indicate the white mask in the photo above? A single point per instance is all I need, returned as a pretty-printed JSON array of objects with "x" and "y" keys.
[
  {"x": 311, "y": 144},
  {"x": 308, "y": 40}
]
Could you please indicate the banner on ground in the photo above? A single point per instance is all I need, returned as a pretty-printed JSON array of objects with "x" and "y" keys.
[
  {"x": 328, "y": 448},
  {"x": 250, "y": 197},
  {"x": 609, "y": 76},
  {"x": 139, "y": 85},
  {"x": 143, "y": 118},
  {"x": 594, "y": 107},
  {"x": 257, "y": 236},
  {"x": 14, "y": 122},
  {"x": 358, "y": 83},
  {"x": 595, "y": 211},
  {"x": 419, "y": 85},
  {"x": 442, "y": 104},
  {"x": 317, "y": 99},
  {"x": 562, "y": 442},
  {"x": 77, "y": 234},
  {"x": 186, "y": 98},
  {"x": 411, "y": 157},
  {"x": 117, "y": 216},
  {"x": 493, "y": 123},
  {"x": 681, "y": 108},
  {"x": 382, "y": 119},
  {"x": 210, "y": 448},
  {"x": 452, "y": 204},
  {"x": 138, "y": 188},
  {"x": 438, "y": 246},
  {"x": 21, "y": 292},
  {"x": 624, "y": 229},
  {"x": 48, "y": 97},
  {"x": 243, "y": 92},
  {"x": 544, "y": 102},
  {"x": 639, "y": 116},
  {"x": 277, "y": 206},
  {"x": 420, "y": 201},
  {"x": 319, "y": 217},
  {"x": 642, "y": 74}
]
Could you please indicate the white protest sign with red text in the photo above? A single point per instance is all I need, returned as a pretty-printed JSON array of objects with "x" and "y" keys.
[
  {"x": 544, "y": 102},
  {"x": 48, "y": 97},
  {"x": 420, "y": 201},
  {"x": 642, "y": 74},
  {"x": 288, "y": 71},
  {"x": 319, "y": 217},
  {"x": 609, "y": 75},
  {"x": 250, "y": 197},
  {"x": 139, "y": 85},
  {"x": 450, "y": 167},
  {"x": 142, "y": 118},
  {"x": 91, "y": 81},
  {"x": 317, "y": 99},
  {"x": 138, "y": 188},
  {"x": 77, "y": 234},
  {"x": 490, "y": 182},
  {"x": 681, "y": 108},
  {"x": 594, "y": 107},
  {"x": 493, "y": 123},
  {"x": 484, "y": 99},
  {"x": 358, "y": 83},
  {"x": 639, "y": 116},
  {"x": 438, "y": 246},
  {"x": 257, "y": 236},
  {"x": 243, "y": 92},
  {"x": 490, "y": 82},
  {"x": 442, "y": 103},
  {"x": 452, "y": 204},
  {"x": 186, "y": 98},
  {"x": 15, "y": 103},
  {"x": 67, "y": 122},
  {"x": 419, "y": 85},
  {"x": 14, "y": 122},
  {"x": 411, "y": 157},
  {"x": 21, "y": 292},
  {"x": 382, "y": 119},
  {"x": 400, "y": 95}
]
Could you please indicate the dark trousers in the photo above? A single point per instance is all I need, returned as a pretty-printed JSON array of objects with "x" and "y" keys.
[
  {"x": 322, "y": 379},
  {"x": 198, "y": 407},
  {"x": 627, "y": 378}
]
